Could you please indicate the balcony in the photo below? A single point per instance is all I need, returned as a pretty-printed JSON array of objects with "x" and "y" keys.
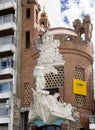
[
  {"x": 4, "y": 114},
  {"x": 5, "y": 90},
  {"x": 7, "y": 44},
  {"x": 7, "y": 22},
  {"x": 6, "y": 67},
  {"x": 3, "y": 127},
  {"x": 4, "y": 4}
]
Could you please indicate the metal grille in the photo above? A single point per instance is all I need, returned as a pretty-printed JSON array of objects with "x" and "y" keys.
[
  {"x": 55, "y": 80},
  {"x": 26, "y": 93},
  {"x": 79, "y": 74},
  {"x": 80, "y": 100}
]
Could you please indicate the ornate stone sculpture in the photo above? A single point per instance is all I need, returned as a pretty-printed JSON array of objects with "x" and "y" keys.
[
  {"x": 87, "y": 28},
  {"x": 49, "y": 53},
  {"x": 46, "y": 107},
  {"x": 77, "y": 25}
]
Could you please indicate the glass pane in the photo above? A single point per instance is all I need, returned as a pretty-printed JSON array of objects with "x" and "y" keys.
[
  {"x": 57, "y": 128},
  {"x": 50, "y": 128},
  {"x": 4, "y": 87},
  {"x": 3, "y": 64}
]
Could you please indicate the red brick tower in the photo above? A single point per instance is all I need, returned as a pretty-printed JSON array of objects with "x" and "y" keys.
[{"x": 31, "y": 29}]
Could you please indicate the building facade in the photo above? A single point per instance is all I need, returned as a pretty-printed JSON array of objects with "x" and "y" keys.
[
  {"x": 21, "y": 25},
  {"x": 9, "y": 40},
  {"x": 76, "y": 48}
]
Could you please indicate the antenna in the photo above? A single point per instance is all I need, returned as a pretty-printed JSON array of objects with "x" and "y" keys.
[{"x": 44, "y": 6}]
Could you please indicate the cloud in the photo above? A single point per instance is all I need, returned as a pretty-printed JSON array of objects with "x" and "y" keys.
[
  {"x": 78, "y": 9},
  {"x": 53, "y": 11}
]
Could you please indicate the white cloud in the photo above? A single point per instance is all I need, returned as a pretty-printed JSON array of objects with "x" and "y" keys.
[{"x": 53, "y": 11}]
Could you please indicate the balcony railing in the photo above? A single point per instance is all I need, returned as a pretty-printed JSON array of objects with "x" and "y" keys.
[
  {"x": 7, "y": 40},
  {"x": 4, "y": 112},
  {"x": 7, "y": 19},
  {"x": 5, "y": 87},
  {"x": 6, "y": 63},
  {"x": 7, "y": 3}
]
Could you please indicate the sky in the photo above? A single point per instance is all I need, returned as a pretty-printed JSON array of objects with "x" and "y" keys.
[{"x": 62, "y": 13}]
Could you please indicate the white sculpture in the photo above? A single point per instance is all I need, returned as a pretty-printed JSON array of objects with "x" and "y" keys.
[
  {"x": 46, "y": 107},
  {"x": 39, "y": 73},
  {"x": 49, "y": 53}
]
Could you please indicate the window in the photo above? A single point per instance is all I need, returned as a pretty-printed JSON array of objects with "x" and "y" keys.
[
  {"x": 27, "y": 1},
  {"x": 36, "y": 15},
  {"x": 5, "y": 87},
  {"x": 4, "y": 63},
  {"x": 28, "y": 13},
  {"x": 27, "y": 39},
  {"x": 26, "y": 93},
  {"x": 79, "y": 74},
  {"x": 55, "y": 80},
  {"x": 24, "y": 116},
  {"x": 43, "y": 23}
]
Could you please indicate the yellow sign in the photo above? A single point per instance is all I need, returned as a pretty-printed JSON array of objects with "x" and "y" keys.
[{"x": 79, "y": 87}]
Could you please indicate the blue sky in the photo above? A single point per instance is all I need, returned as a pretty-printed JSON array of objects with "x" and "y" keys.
[{"x": 62, "y": 13}]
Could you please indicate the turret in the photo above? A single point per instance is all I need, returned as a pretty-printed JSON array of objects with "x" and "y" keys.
[
  {"x": 44, "y": 22},
  {"x": 84, "y": 28}
]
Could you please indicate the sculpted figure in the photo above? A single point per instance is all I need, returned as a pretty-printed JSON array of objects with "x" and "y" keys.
[
  {"x": 39, "y": 73},
  {"x": 87, "y": 27},
  {"x": 77, "y": 25}
]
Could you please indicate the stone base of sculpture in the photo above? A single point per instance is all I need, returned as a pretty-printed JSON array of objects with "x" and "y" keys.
[{"x": 47, "y": 108}]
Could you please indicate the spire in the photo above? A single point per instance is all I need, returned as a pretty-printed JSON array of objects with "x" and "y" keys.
[{"x": 44, "y": 19}]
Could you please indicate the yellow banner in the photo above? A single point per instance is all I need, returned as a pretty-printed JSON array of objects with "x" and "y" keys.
[{"x": 79, "y": 87}]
